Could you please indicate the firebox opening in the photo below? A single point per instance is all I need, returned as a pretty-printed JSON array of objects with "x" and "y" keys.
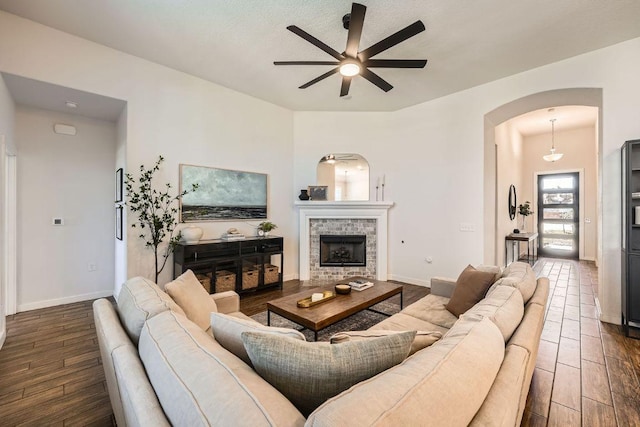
[{"x": 340, "y": 251}]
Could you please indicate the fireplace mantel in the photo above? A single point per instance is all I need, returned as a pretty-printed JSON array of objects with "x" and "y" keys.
[{"x": 344, "y": 210}]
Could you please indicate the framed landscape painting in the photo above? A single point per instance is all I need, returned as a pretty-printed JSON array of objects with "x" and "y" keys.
[{"x": 222, "y": 194}]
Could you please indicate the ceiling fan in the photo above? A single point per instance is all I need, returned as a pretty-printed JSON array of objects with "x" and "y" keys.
[{"x": 353, "y": 62}]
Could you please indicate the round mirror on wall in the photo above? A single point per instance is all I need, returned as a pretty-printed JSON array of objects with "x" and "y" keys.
[{"x": 346, "y": 176}]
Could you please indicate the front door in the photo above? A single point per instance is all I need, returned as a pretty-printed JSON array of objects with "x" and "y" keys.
[{"x": 558, "y": 211}]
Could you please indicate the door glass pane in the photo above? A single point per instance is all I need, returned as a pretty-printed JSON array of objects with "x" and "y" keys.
[
  {"x": 564, "y": 183},
  {"x": 557, "y": 198},
  {"x": 557, "y": 244},
  {"x": 557, "y": 213},
  {"x": 559, "y": 229}
]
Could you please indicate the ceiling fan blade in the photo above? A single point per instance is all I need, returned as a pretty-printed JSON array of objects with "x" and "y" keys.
[
  {"x": 355, "y": 29},
  {"x": 394, "y": 39},
  {"x": 314, "y": 41},
  {"x": 346, "y": 84},
  {"x": 376, "y": 79},
  {"x": 396, "y": 63},
  {"x": 305, "y": 63},
  {"x": 317, "y": 79}
]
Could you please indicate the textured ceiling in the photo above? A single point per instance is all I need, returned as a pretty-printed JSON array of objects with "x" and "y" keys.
[{"x": 234, "y": 43}]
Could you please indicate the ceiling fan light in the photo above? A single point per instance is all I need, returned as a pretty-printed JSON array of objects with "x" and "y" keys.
[{"x": 349, "y": 69}]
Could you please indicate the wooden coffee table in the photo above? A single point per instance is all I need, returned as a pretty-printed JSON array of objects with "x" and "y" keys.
[{"x": 327, "y": 313}]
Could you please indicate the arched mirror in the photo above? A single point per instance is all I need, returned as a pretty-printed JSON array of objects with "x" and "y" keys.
[
  {"x": 345, "y": 175},
  {"x": 512, "y": 202}
]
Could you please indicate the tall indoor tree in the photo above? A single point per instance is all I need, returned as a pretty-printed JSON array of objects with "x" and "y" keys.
[{"x": 157, "y": 211}]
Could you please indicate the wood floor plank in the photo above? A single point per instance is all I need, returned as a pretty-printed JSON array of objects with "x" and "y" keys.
[
  {"x": 569, "y": 352},
  {"x": 539, "y": 396},
  {"x": 547, "y": 354},
  {"x": 623, "y": 377},
  {"x": 596, "y": 414},
  {"x": 530, "y": 419},
  {"x": 561, "y": 416},
  {"x": 595, "y": 382},
  {"x": 566, "y": 387},
  {"x": 591, "y": 349},
  {"x": 627, "y": 410}
]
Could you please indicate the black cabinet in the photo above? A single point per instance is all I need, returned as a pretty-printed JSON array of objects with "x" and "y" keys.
[
  {"x": 631, "y": 238},
  {"x": 242, "y": 265}
]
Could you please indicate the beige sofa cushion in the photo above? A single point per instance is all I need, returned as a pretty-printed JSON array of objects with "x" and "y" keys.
[
  {"x": 471, "y": 287},
  {"x": 227, "y": 330},
  {"x": 447, "y": 382},
  {"x": 519, "y": 275},
  {"x": 404, "y": 322},
  {"x": 139, "y": 300},
  {"x": 423, "y": 339},
  {"x": 500, "y": 408},
  {"x": 196, "y": 302},
  {"x": 432, "y": 309},
  {"x": 198, "y": 382},
  {"x": 504, "y": 306},
  {"x": 310, "y": 373}
]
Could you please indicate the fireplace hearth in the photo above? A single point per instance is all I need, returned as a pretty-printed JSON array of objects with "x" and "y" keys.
[{"x": 343, "y": 251}]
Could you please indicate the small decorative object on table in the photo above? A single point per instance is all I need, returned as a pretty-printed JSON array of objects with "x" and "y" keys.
[
  {"x": 360, "y": 284},
  {"x": 232, "y": 234},
  {"x": 343, "y": 289},
  {"x": 524, "y": 210},
  {"x": 191, "y": 234},
  {"x": 318, "y": 299},
  {"x": 265, "y": 227}
]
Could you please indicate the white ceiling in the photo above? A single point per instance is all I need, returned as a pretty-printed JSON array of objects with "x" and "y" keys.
[
  {"x": 234, "y": 43},
  {"x": 567, "y": 117},
  {"x": 38, "y": 94}
]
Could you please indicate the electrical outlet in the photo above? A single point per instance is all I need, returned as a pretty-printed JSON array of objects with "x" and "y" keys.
[{"x": 467, "y": 227}]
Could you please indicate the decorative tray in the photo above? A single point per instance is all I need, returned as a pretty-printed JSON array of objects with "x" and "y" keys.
[{"x": 326, "y": 296}]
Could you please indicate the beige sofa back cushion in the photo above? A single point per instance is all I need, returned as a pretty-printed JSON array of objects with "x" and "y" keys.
[
  {"x": 519, "y": 275},
  {"x": 191, "y": 296},
  {"x": 139, "y": 300},
  {"x": 447, "y": 382},
  {"x": 198, "y": 382},
  {"x": 504, "y": 306}
]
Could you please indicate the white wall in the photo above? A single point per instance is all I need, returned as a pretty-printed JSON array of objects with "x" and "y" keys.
[
  {"x": 577, "y": 145},
  {"x": 120, "y": 256},
  {"x": 68, "y": 177},
  {"x": 433, "y": 157},
  {"x": 169, "y": 113},
  {"x": 7, "y": 145},
  {"x": 509, "y": 172}
]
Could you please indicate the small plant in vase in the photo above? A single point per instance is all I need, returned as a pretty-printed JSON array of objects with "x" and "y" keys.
[
  {"x": 524, "y": 209},
  {"x": 265, "y": 227}
]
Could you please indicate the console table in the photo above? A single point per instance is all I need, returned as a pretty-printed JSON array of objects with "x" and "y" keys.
[
  {"x": 241, "y": 265},
  {"x": 514, "y": 240}
]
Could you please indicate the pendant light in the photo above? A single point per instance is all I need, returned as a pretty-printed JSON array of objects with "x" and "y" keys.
[{"x": 553, "y": 156}]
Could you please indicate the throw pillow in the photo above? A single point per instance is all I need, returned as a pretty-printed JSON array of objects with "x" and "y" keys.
[
  {"x": 309, "y": 373},
  {"x": 471, "y": 287},
  {"x": 422, "y": 340},
  {"x": 227, "y": 330},
  {"x": 189, "y": 294}
]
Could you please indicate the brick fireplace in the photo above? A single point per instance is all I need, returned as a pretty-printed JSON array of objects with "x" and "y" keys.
[{"x": 366, "y": 218}]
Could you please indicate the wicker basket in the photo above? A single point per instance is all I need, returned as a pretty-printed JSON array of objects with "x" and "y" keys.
[
  {"x": 271, "y": 274},
  {"x": 250, "y": 278},
  {"x": 225, "y": 281},
  {"x": 205, "y": 280}
]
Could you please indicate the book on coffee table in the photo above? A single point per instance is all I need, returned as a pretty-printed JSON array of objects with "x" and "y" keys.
[{"x": 360, "y": 285}]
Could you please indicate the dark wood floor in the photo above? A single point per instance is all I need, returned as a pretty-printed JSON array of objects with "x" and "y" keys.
[{"x": 587, "y": 372}]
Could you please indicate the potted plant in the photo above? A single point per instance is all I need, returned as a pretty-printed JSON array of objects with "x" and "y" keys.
[
  {"x": 156, "y": 213},
  {"x": 265, "y": 227},
  {"x": 524, "y": 209}
]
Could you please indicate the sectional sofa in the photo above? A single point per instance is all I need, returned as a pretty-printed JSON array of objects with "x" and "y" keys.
[{"x": 164, "y": 369}]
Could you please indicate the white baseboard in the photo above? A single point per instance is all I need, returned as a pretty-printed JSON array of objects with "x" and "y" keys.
[
  {"x": 66, "y": 300},
  {"x": 410, "y": 280},
  {"x": 3, "y": 337}
]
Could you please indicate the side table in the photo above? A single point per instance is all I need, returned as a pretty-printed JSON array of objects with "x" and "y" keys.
[{"x": 514, "y": 240}]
